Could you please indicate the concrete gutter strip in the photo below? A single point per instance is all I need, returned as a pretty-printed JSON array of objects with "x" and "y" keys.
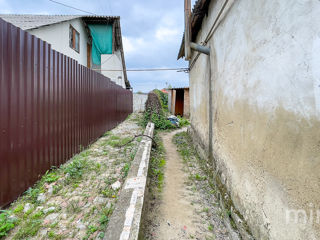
[{"x": 125, "y": 220}]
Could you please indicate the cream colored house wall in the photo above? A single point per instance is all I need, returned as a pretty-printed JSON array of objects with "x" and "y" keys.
[
  {"x": 265, "y": 67},
  {"x": 58, "y": 36}
]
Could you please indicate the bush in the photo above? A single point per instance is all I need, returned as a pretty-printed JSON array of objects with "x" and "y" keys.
[
  {"x": 163, "y": 97},
  {"x": 155, "y": 112}
]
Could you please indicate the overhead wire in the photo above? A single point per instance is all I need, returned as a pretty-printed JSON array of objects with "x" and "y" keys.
[
  {"x": 78, "y": 9},
  {"x": 146, "y": 70}
]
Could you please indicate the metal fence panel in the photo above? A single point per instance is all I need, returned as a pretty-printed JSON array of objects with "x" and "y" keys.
[{"x": 50, "y": 108}]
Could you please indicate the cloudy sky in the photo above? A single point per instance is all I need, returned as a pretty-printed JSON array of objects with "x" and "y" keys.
[{"x": 151, "y": 29}]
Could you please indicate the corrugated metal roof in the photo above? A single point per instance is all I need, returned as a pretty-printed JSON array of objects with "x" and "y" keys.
[
  {"x": 199, "y": 11},
  {"x": 177, "y": 88},
  {"x": 30, "y": 21}
]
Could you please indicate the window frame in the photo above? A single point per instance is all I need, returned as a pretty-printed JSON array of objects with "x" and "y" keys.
[{"x": 72, "y": 39}]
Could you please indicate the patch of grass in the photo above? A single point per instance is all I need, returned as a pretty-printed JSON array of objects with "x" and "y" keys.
[
  {"x": 29, "y": 229},
  {"x": 107, "y": 134},
  {"x": 19, "y": 208},
  {"x": 91, "y": 229},
  {"x": 50, "y": 177},
  {"x": 109, "y": 192},
  {"x": 73, "y": 206},
  {"x": 6, "y": 223},
  {"x": 206, "y": 210},
  {"x": 157, "y": 164},
  {"x": 125, "y": 170},
  {"x": 76, "y": 168},
  {"x": 32, "y": 194},
  {"x": 105, "y": 217},
  {"x": 183, "y": 122},
  {"x": 199, "y": 178},
  {"x": 210, "y": 227},
  {"x": 116, "y": 141}
]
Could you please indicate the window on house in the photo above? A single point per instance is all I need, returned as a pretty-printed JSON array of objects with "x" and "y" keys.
[{"x": 74, "y": 39}]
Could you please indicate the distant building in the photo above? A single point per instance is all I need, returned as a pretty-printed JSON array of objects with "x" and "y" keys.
[
  {"x": 93, "y": 41},
  {"x": 179, "y": 101}
]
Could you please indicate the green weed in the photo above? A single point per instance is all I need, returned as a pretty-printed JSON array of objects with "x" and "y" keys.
[{"x": 6, "y": 223}]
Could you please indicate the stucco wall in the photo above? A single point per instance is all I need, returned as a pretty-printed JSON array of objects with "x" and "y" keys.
[
  {"x": 265, "y": 79},
  {"x": 58, "y": 36},
  {"x": 113, "y": 62},
  {"x": 139, "y": 102}
]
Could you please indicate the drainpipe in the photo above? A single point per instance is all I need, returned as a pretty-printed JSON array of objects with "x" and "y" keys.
[{"x": 188, "y": 45}]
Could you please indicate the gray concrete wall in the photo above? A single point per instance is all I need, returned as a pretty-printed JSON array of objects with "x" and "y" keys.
[
  {"x": 139, "y": 102},
  {"x": 265, "y": 80}
]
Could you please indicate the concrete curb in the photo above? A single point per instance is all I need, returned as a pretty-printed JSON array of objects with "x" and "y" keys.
[{"x": 125, "y": 220}]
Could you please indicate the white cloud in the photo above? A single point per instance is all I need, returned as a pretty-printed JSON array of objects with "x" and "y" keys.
[
  {"x": 4, "y": 6},
  {"x": 166, "y": 34}
]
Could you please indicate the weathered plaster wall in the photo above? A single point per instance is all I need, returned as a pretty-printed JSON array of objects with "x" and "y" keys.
[
  {"x": 139, "y": 102},
  {"x": 58, "y": 36},
  {"x": 113, "y": 62},
  {"x": 265, "y": 78}
]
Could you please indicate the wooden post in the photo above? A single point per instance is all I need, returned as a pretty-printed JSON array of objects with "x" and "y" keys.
[{"x": 187, "y": 30}]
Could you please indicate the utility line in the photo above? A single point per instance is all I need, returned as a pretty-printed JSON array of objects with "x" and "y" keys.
[
  {"x": 146, "y": 70},
  {"x": 72, "y": 7}
]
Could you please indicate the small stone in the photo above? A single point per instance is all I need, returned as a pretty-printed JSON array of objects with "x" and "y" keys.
[
  {"x": 13, "y": 218},
  {"x": 51, "y": 217},
  {"x": 41, "y": 198},
  {"x": 43, "y": 232},
  {"x": 80, "y": 225},
  {"x": 50, "y": 190},
  {"x": 67, "y": 175},
  {"x": 39, "y": 208},
  {"x": 108, "y": 205},
  {"x": 49, "y": 210},
  {"x": 100, "y": 200},
  {"x": 27, "y": 207},
  {"x": 116, "y": 185}
]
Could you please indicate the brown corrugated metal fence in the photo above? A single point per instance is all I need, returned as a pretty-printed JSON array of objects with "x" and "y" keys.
[{"x": 50, "y": 107}]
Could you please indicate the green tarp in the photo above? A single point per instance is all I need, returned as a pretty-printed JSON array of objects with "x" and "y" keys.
[{"x": 101, "y": 41}]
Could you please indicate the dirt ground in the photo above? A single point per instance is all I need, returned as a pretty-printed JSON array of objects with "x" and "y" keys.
[{"x": 181, "y": 211}]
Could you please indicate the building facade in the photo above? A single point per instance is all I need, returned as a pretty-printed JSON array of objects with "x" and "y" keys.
[
  {"x": 179, "y": 101},
  {"x": 255, "y": 109},
  {"x": 93, "y": 41}
]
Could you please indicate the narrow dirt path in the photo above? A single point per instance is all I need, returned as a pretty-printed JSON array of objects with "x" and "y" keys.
[
  {"x": 177, "y": 212},
  {"x": 177, "y": 218}
]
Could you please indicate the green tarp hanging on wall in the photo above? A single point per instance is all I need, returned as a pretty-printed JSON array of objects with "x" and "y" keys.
[{"x": 101, "y": 41}]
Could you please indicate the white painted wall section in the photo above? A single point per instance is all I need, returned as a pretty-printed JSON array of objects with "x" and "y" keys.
[{"x": 58, "y": 36}]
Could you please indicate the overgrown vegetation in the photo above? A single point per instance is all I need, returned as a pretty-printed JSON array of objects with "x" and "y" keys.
[
  {"x": 157, "y": 112},
  {"x": 157, "y": 164},
  {"x": 6, "y": 223},
  {"x": 28, "y": 213},
  {"x": 163, "y": 99}
]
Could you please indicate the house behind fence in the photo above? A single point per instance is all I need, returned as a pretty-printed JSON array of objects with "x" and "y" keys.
[
  {"x": 94, "y": 41},
  {"x": 50, "y": 107}
]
